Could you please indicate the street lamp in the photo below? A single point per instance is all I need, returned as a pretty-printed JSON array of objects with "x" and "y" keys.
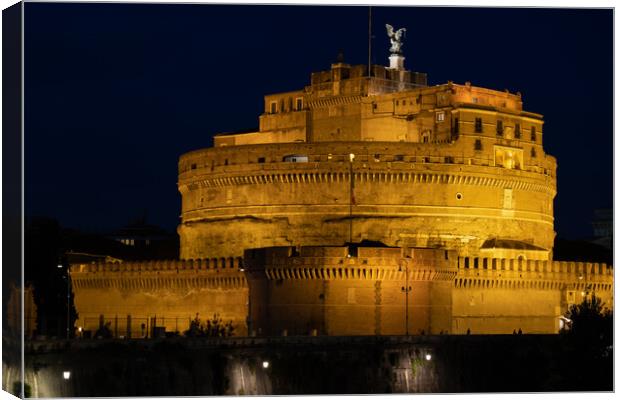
[
  {"x": 405, "y": 289},
  {"x": 66, "y": 375},
  {"x": 351, "y": 196}
]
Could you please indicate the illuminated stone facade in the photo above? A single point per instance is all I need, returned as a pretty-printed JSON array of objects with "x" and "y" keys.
[
  {"x": 337, "y": 291},
  {"x": 362, "y": 202},
  {"x": 449, "y": 166}
]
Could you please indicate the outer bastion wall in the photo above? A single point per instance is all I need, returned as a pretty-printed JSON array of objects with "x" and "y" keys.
[
  {"x": 337, "y": 291},
  {"x": 323, "y": 290},
  {"x": 135, "y": 297},
  {"x": 493, "y": 295},
  {"x": 398, "y": 196}
]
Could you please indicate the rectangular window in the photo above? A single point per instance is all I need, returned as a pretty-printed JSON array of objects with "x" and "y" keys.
[
  {"x": 478, "y": 125},
  {"x": 261, "y": 160},
  {"x": 299, "y": 103},
  {"x": 517, "y": 131},
  {"x": 193, "y": 166},
  {"x": 533, "y": 134},
  {"x": 500, "y": 128},
  {"x": 456, "y": 126},
  {"x": 441, "y": 116},
  {"x": 478, "y": 145},
  {"x": 399, "y": 157},
  {"x": 273, "y": 107},
  {"x": 533, "y": 152}
]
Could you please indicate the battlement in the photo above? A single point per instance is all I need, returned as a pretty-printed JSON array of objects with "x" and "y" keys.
[
  {"x": 569, "y": 268},
  {"x": 192, "y": 265},
  {"x": 355, "y": 263},
  {"x": 499, "y": 273}
]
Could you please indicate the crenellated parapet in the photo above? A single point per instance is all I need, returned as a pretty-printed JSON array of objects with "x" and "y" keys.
[
  {"x": 223, "y": 273},
  {"x": 475, "y": 272},
  {"x": 337, "y": 264}
]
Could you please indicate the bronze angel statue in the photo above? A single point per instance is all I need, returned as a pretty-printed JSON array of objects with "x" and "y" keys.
[{"x": 396, "y": 38}]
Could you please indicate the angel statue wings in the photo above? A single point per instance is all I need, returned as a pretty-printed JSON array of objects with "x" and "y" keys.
[{"x": 396, "y": 38}]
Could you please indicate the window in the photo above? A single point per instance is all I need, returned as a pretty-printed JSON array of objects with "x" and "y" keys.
[
  {"x": 517, "y": 131},
  {"x": 295, "y": 158},
  {"x": 261, "y": 160},
  {"x": 449, "y": 160},
  {"x": 441, "y": 116},
  {"x": 533, "y": 134},
  {"x": 399, "y": 157},
  {"x": 533, "y": 152},
  {"x": 290, "y": 104},
  {"x": 193, "y": 166},
  {"x": 500, "y": 128},
  {"x": 273, "y": 107},
  {"x": 226, "y": 161},
  {"x": 478, "y": 144},
  {"x": 455, "y": 128},
  {"x": 299, "y": 103},
  {"x": 377, "y": 157},
  {"x": 478, "y": 125}
]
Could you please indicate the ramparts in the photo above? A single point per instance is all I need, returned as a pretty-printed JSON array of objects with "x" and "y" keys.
[
  {"x": 337, "y": 291},
  {"x": 144, "y": 299}
]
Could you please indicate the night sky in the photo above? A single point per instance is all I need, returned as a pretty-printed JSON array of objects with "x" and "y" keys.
[{"x": 114, "y": 93}]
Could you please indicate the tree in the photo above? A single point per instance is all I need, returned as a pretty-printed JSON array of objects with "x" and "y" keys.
[
  {"x": 214, "y": 327},
  {"x": 591, "y": 321},
  {"x": 586, "y": 364}
]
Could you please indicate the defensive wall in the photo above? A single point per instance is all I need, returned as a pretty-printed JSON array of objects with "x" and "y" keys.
[
  {"x": 402, "y": 194},
  {"x": 142, "y": 299},
  {"x": 337, "y": 291}
]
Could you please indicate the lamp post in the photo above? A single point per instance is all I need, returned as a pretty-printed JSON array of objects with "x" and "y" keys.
[
  {"x": 405, "y": 289},
  {"x": 351, "y": 197}
]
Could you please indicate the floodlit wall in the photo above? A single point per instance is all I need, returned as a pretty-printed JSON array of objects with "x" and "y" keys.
[
  {"x": 404, "y": 194},
  {"x": 133, "y": 298}
]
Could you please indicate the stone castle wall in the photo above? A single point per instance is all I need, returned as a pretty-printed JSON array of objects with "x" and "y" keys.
[
  {"x": 338, "y": 295},
  {"x": 338, "y": 291},
  {"x": 403, "y": 194},
  {"x": 134, "y": 297}
]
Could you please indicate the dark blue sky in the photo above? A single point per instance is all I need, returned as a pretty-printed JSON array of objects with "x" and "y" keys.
[{"x": 116, "y": 92}]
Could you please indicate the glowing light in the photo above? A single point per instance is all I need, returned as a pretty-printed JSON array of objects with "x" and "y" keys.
[
  {"x": 80, "y": 329},
  {"x": 265, "y": 364},
  {"x": 66, "y": 374},
  {"x": 351, "y": 157},
  {"x": 59, "y": 265},
  {"x": 428, "y": 357}
]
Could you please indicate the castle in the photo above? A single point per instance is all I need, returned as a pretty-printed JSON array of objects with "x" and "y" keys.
[{"x": 367, "y": 203}]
